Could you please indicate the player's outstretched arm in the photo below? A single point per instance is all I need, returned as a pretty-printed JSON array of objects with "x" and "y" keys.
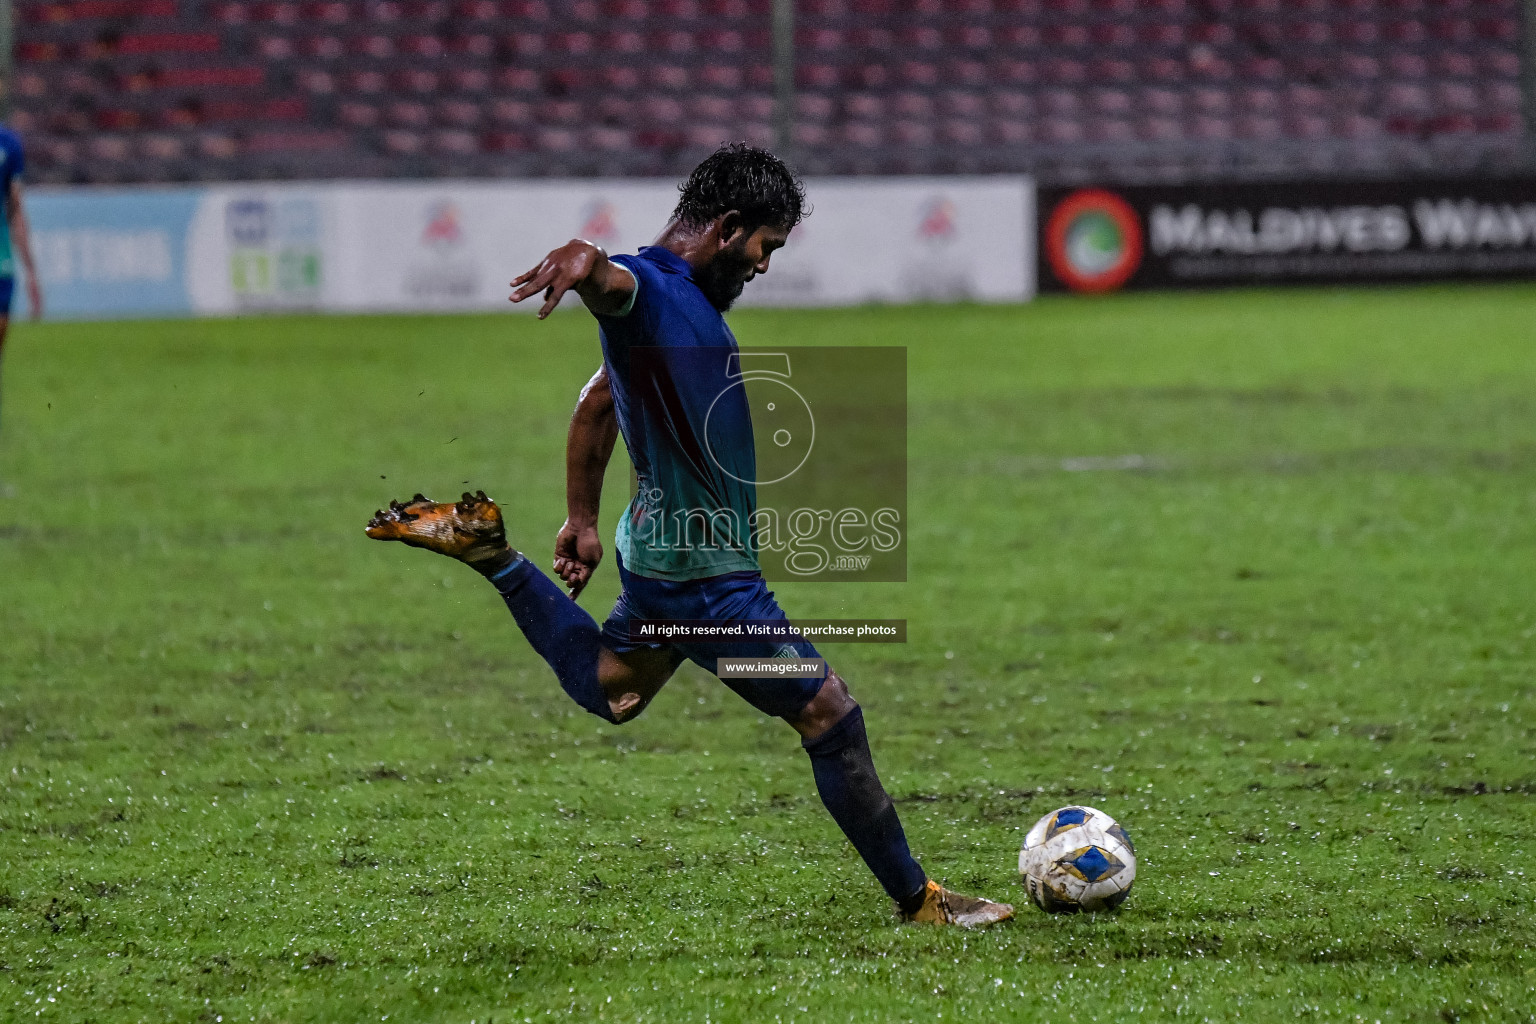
[
  {"x": 588, "y": 447},
  {"x": 603, "y": 285}
]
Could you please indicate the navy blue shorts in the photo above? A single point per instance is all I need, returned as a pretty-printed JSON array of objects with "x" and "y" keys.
[
  {"x": 732, "y": 597},
  {"x": 7, "y": 290}
]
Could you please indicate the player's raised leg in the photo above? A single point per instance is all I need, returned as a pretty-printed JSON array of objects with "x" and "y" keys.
[{"x": 616, "y": 687}]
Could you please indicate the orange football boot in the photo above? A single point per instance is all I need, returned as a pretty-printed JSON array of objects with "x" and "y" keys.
[
  {"x": 469, "y": 529},
  {"x": 940, "y": 906}
]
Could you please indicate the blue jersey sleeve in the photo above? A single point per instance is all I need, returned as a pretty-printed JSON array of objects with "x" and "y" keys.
[
  {"x": 15, "y": 157},
  {"x": 636, "y": 325}
]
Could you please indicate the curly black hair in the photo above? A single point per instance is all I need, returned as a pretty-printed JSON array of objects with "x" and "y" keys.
[{"x": 741, "y": 177}]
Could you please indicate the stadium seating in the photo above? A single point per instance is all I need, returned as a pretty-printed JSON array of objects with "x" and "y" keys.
[{"x": 164, "y": 90}]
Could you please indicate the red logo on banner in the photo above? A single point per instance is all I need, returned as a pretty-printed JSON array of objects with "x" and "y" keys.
[
  {"x": 442, "y": 225},
  {"x": 938, "y": 220},
  {"x": 1093, "y": 241},
  {"x": 600, "y": 224}
]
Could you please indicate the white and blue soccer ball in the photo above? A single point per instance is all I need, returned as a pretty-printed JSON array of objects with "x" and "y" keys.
[{"x": 1077, "y": 858}]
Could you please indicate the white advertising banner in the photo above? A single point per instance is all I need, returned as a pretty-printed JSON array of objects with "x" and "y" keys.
[
  {"x": 458, "y": 245},
  {"x": 906, "y": 240},
  {"x": 455, "y": 245}
]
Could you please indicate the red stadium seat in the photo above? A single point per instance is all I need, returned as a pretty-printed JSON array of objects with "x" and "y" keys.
[
  {"x": 474, "y": 45},
  {"x": 1264, "y": 129},
  {"x": 561, "y": 112},
  {"x": 1111, "y": 130},
  {"x": 421, "y": 46},
  {"x": 1358, "y": 126},
  {"x": 556, "y": 140},
  {"x": 1407, "y": 65},
  {"x": 328, "y": 12},
  {"x": 1009, "y": 132},
  {"x": 403, "y": 143},
  {"x": 817, "y": 76},
  {"x": 321, "y": 47},
  {"x": 1360, "y": 66},
  {"x": 468, "y": 79},
  {"x": 1504, "y": 97},
  {"x": 504, "y": 142},
  {"x": 708, "y": 136},
  {"x": 1062, "y": 70},
  {"x": 454, "y": 142},
  {"x": 1259, "y": 100},
  {"x": 474, "y": 10},
  {"x": 617, "y": 110},
  {"x": 961, "y": 132},
  {"x": 726, "y": 77},
  {"x": 712, "y": 109},
  {"x": 1163, "y": 69},
  {"x": 1113, "y": 35},
  {"x": 911, "y": 133},
  {"x": 415, "y": 80},
  {"x": 1060, "y": 130},
  {"x": 216, "y": 146},
  {"x": 1358, "y": 32},
  {"x": 811, "y": 135},
  {"x": 759, "y": 107},
  {"x": 1501, "y": 124},
  {"x": 915, "y": 72},
  {"x": 1205, "y": 126},
  {"x": 863, "y": 106},
  {"x": 110, "y": 148},
  {"x": 911, "y": 105},
  {"x": 1454, "y": 64},
  {"x": 661, "y": 110},
  {"x": 621, "y": 78},
  {"x": 1261, "y": 68},
  {"x": 1008, "y": 104},
  {"x": 511, "y": 112},
  {"x": 1162, "y": 101},
  {"x": 668, "y": 76},
  {"x": 357, "y": 115},
  {"x": 1306, "y": 126},
  {"x": 1112, "y": 69},
  {"x": 169, "y": 42},
  {"x": 274, "y": 47},
  {"x": 516, "y": 79},
  {"x": 1061, "y": 102},
  {"x": 961, "y": 104},
  {"x": 1110, "y": 102},
  {"x": 609, "y": 139},
  {"x": 1499, "y": 63}
]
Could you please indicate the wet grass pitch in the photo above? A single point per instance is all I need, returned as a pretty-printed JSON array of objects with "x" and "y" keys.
[{"x": 1253, "y": 572}]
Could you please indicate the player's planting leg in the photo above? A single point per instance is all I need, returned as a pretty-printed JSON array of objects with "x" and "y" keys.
[
  {"x": 851, "y": 790},
  {"x": 564, "y": 635}
]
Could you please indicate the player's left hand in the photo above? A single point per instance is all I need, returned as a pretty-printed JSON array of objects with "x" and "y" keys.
[
  {"x": 559, "y": 272},
  {"x": 578, "y": 551},
  {"x": 35, "y": 298}
]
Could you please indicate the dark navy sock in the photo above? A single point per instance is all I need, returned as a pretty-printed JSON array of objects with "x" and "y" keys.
[
  {"x": 846, "y": 779},
  {"x": 561, "y": 633}
]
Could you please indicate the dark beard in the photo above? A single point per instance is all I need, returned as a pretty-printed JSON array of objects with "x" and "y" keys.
[{"x": 722, "y": 279}]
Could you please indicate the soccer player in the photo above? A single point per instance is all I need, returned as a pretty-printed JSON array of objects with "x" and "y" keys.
[
  {"x": 17, "y": 233},
  {"x": 736, "y": 208}
]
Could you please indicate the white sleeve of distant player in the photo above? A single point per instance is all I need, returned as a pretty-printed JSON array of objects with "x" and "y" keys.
[{"x": 629, "y": 304}]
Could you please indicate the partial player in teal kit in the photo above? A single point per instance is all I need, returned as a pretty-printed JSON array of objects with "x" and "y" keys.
[
  {"x": 686, "y": 551},
  {"x": 16, "y": 240}
]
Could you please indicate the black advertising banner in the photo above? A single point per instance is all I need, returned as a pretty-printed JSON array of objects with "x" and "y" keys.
[{"x": 1103, "y": 239}]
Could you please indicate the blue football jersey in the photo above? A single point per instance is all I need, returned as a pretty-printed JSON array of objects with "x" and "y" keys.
[
  {"x": 675, "y": 375},
  {"x": 12, "y": 163}
]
